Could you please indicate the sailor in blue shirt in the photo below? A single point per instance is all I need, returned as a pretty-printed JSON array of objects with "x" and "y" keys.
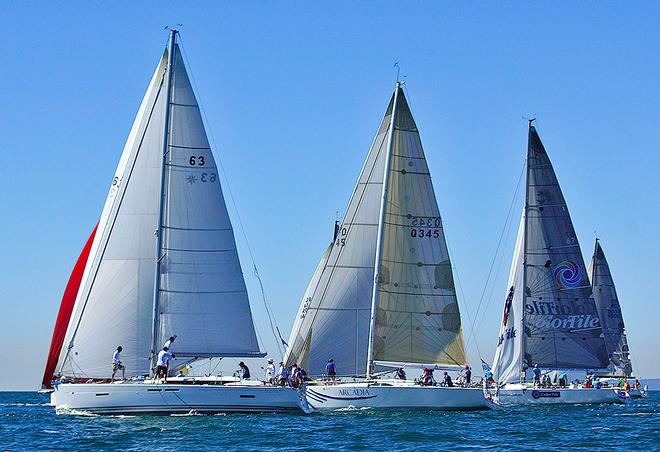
[
  {"x": 537, "y": 375},
  {"x": 330, "y": 369}
]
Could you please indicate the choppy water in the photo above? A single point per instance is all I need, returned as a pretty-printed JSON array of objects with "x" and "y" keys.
[{"x": 27, "y": 423}]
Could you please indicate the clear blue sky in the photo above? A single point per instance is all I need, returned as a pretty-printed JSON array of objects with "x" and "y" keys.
[{"x": 293, "y": 92}]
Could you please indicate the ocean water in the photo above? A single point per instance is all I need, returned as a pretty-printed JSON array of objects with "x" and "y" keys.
[{"x": 28, "y": 423}]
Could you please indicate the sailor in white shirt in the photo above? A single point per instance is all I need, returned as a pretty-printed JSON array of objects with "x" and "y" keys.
[
  {"x": 164, "y": 357},
  {"x": 169, "y": 342},
  {"x": 117, "y": 365},
  {"x": 270, "y": 372}
]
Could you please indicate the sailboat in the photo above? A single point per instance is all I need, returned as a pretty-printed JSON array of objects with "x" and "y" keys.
[
  {"x": 614, "y": 332},
  {"x": 550, "y": 317},
  {"x": 383, "y": 295},
  {"x": 162, "y": 261}
]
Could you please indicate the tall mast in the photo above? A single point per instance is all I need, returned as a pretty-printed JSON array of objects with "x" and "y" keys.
[
  {"x": 379, "y": 240},
  {"x": 171, "y": 48},
  {"x": 524, "y": 284}
]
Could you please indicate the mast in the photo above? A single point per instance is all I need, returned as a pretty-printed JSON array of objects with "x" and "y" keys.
[
  {"x": 159, "y": 231},
  {"x": 523, "y": 372},
  {"x": 379, "y": 240}
]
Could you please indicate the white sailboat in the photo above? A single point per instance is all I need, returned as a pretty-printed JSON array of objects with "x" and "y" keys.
[
  {"x": 611, "y": 317},
  {"x": 550, "y": 318},
  {"x": 162, "y": 261},
  {"x": 383, "y": 295}
]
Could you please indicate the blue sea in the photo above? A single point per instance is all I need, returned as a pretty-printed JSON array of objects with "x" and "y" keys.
[{"x": 28, "y": 423}]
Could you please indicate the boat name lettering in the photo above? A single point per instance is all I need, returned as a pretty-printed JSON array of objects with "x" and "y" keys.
[
  {"x": 545, "y": 394},
  {"x": 354, "y": 392}
]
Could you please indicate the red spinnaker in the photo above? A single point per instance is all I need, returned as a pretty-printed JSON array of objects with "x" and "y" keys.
[{"x": 66, "y": 309}]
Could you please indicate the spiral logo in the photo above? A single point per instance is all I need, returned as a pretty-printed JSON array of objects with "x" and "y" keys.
[{"x": 567, "y": 274}]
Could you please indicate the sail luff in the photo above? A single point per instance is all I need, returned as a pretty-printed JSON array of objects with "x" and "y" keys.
[
  {"x": 159, "y": 230},
  {"x": 379, "y": 238}
]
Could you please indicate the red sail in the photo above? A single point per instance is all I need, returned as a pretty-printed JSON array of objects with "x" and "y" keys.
[{"x": 66, "y": 309}]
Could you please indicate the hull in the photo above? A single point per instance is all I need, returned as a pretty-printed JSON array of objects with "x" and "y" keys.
[
  {"x": 518, "y": 394},
  {"x": 142, "y": 398},
  {"x": 398, "y": 395}
]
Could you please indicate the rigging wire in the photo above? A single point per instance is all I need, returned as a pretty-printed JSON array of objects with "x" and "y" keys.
[
  {"x": 271, "y": 316},
  {"x": 503, "y": 234}
]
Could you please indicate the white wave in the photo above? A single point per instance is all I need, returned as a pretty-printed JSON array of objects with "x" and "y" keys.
[{"x": 352, "y": 408}]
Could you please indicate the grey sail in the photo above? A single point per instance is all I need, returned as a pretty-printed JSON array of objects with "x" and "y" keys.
[
  {"x": 609, "y": 312},
  {"x": 417, "y": 316},
  {"x": 561, "y": 325}
]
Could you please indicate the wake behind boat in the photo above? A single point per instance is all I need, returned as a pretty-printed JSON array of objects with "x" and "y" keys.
[
  {"x": 162, "y": 261},
  {"x": 551, "y": 324},
  {"x": 383, "y": 295}
]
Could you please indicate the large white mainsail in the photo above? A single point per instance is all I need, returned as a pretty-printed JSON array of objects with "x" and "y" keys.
[
  {"x": 202, "y": 296},
  {"x": 609, "y": 311},
  {"x": 560, "y": 326},
  {"x": 416, "y": 318}
]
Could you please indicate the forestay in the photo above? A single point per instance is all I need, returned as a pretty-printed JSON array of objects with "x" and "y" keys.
[
  {"x": 609, "y": 312},
  {"x": 562, "y": 329},
  {"x": 203, "y": 298}
]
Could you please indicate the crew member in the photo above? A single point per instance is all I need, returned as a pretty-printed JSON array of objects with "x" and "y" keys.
[
  {"x": 245, "y": 372},
  {"x": 270, "y": 372},
  {"x": 537, "y": 375},
  {"x": 331, "y": 369},
  {"x": 117, "y": 364},
  {"x": 447, "y": 380},
  {"x": 162, "y": 363}
]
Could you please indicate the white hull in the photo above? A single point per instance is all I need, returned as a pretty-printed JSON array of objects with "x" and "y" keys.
[
  {"x": 394, "y": 395},
  {"x": 143, "y": 398},
  {"x": 523, "y": 394}
]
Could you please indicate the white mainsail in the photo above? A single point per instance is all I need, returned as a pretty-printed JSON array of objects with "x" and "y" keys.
[
  {"x": 609, "y": 311},
  {"x": 416, "y": 318},
  {"x": 202, "y": 295},
  {"x": 560, "y": 326}
]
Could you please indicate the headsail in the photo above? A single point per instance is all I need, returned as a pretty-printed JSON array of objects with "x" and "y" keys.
[
  {"x": 337, "y": 309},
  {"x": 508, "y": 355},
  {"x": 199, "y": 264},
  {"x": 609, "y": 312},
  {"x": 561, "y": 328},
  {"x": 417, "y": 318}
]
